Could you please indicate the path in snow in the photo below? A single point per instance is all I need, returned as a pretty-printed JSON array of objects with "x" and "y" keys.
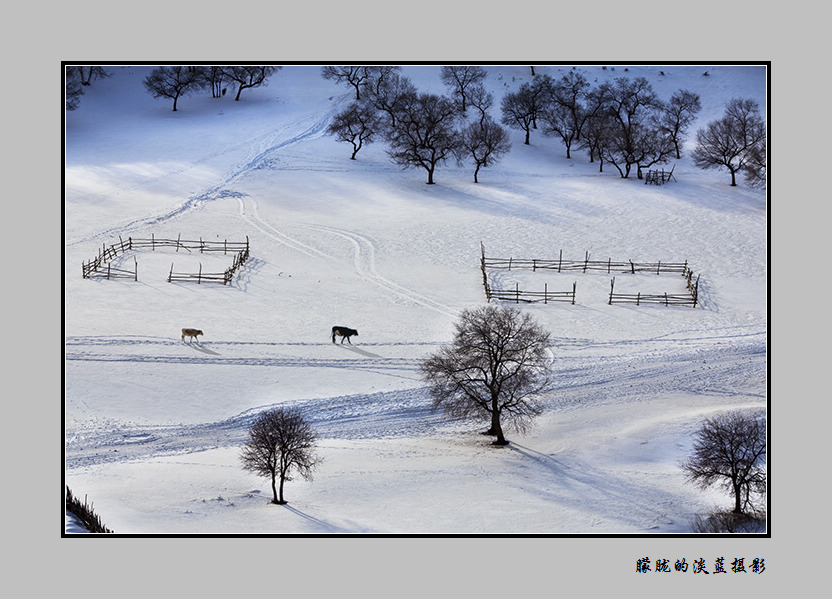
[{"x": 731, "y": 366}]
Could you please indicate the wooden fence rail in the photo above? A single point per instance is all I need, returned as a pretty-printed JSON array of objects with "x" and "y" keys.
[
  {"x": 585, "y": 265},
  {"x": 545, "y": 296}
]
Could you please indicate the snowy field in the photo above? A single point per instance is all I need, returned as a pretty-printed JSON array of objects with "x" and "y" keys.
[{"x": 153, "y": 427}]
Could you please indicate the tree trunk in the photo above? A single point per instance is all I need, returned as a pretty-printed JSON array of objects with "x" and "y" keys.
[
  {"x": 475, "y": 173},
  {"x": 496, "y": 428},
  {"x": 274, "y": 489},
  {"x": 281, "y": 501}
]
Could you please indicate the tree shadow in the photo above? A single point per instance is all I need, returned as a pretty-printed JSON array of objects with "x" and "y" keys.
[{"x": 326, "y": 526}]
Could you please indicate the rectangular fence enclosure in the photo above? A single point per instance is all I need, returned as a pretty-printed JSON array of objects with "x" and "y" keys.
[
  {"x": 584, "y": 266},
  {"x": 100, "y": 266}
]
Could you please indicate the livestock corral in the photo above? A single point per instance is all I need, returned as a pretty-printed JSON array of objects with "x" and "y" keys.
[{"x": 500, "y": 287}]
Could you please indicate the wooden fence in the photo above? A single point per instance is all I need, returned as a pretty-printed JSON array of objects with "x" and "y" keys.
[
  {"x": 201, "y": 277},
  {"x": 518, "y": 296},
  {"x": 84, "y": 513},
  {"x": 100, "y": 267},
  {"x": 664, "y": 298},
  {"x": 584, "y": 266},
  {"x": 659, "y": 177}
]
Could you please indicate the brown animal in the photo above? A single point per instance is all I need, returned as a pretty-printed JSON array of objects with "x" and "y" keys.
[{"x": 192, "y": 333}]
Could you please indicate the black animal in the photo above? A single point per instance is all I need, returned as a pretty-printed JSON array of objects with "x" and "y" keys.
[{"x": 344, "y": 333}]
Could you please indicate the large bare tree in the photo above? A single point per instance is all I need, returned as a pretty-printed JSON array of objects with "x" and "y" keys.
[
  {"x": 497, "y": 367},
  {"x": 424, "y": 135},
  {"x": 729, "y": 451},
  {"x": 281, "y": 442}
]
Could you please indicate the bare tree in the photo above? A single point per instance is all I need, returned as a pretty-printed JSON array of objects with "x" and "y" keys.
[
  {"x": 564, "y": 114},
  {"x": 280, "y": 443},
  {"x": 484, "y": 141},
  {"x": 732, "y": 140},
  {"x": 89, "y": 73},
  {"x": 358, "y": 76},
  {"x": 755, "y": 167},
  {"x": 633, "y": 137},
  {"x": 249, "y": 76},
  {"x": 518, "y": 111},
  {"x": 729, "y": 451},
  {"x": 357, "y": 124},
  {"x": 460, "y": 79},
  {"x": 72, "y": 88},
  {"x": 213, "y": 77},
  {"x": 172, "y": 82},
  {"x": 496, "y": 367},
  {"x": 424, "y": 135},
  {"x": 678, "y": 114},
  {"x": 480, "y": 99},
  {"x": 387, "y": 92}
]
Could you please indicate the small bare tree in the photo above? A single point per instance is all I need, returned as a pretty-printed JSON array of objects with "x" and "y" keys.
[
  {"x": 280, "y": 443},
  {"x": 484, "y": 142},
  {"x": 357, "y": 124},
  {"x": 172, "y": 82},
  {"x": 496, "y": 366},
  {"x": 729, "y": 451},
  {"x": 459, "y": 79}
]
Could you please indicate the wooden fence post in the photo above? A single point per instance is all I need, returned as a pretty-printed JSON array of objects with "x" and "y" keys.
[
  {"x": 612, "y": 287},
  {"x": 545, "y": 293},
  {"x": 586, "y": 261},
  {"x": 199, "y": 276},
  {"x": 170, "y": 276},
  {"x": 517, "y": 292},
  {"x": 560, "y": 260},
  {"x": 574, "y": 288},
  {"x": 177, "y": 241},
  {"x": 135, "y": 269}
]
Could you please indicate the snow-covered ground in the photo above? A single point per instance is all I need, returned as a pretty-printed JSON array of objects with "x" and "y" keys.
[{"x": 154, "y": 427}]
